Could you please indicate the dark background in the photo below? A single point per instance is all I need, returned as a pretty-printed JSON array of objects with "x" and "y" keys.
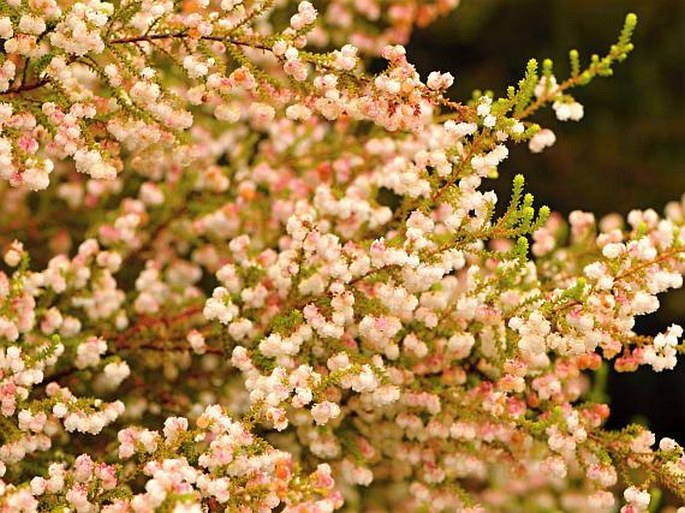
[{"x": 627, "y": 152}]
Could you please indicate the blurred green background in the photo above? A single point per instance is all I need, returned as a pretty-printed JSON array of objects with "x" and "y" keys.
[{"x": 628, "y": 151}]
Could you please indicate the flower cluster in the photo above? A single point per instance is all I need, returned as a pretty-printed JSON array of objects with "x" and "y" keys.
[{"x": 263, "y": 278}]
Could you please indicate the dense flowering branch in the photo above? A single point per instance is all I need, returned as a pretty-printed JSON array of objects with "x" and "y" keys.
[{"x": 288, "y": 290}]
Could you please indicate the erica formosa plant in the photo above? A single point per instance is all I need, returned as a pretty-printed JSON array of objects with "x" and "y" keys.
[{"x": 258, "y": 277}]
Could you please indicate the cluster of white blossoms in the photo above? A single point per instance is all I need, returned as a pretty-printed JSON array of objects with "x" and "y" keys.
[{"x": 258, "y": 277}]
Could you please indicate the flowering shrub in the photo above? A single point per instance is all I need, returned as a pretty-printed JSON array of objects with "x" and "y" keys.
[{"x": 259, "y": 277}]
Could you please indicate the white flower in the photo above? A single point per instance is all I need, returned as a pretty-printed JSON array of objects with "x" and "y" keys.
[
  {"x": 31, "y": 24},
  {"x": 116, "y": 372},
  {"x": 568, "y": 110},
  {"x": 90, "y": 162},
  {"x": 325, "y": 411},
  {"x": 541, "y": 140},
  {"x": 6, "y": 30}
]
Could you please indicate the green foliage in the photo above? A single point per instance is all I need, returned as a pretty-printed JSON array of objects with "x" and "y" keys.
[
  {"x": 526, "y": 87},
  {"x": 287, "y": 323},
  {"x": 520, "y": 218}
]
